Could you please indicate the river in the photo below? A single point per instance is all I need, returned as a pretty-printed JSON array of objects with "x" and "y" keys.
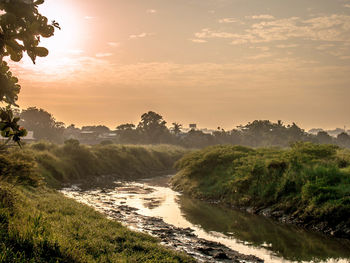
[{"x": 238, "y": 230}]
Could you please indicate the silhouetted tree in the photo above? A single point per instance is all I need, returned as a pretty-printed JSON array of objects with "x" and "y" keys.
[
  {"x": 257, "y": 133},
  {"x": 21, "y": 27},
  {"x": 221, "y": 136},
  {"x": 197, "y": 139},
  {"x": 126, "y": 127},
  {"x": 343, "y": 139},
  {"x": 43, "y": 124},
  {"x": 152, "y": 128},
  {"x": 295, "y": 133},
  {"x": 235, "y": 137},
  {"x": 176, "y": 128},
  {"x": 324, "y": 138},
  {"x": 127, "y": 133}
]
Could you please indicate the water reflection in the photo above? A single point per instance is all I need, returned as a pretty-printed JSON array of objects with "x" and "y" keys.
[
  {"x": 289, "y": 242},
  {"x": 152, "y": 203},
  {"x": 243, "y": 232}
]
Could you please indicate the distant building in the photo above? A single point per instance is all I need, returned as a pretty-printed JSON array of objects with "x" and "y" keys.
[
  {"x": 193, "y": 126},
  {"x": 88, "y": 136},
  {"x": 314, "y": 131},
  {"x": 109, "y": 135}
]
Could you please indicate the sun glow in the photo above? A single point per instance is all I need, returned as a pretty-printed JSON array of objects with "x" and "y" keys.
[
  {"x": 64, "y": 47},
  {"x": 68, "y": 40}
]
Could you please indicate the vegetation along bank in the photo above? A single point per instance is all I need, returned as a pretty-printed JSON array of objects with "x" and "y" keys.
[
  {"x": 306, "y": 184},
  {"x": 39, "y": 224},
  {"x": 74, "y": 162}
]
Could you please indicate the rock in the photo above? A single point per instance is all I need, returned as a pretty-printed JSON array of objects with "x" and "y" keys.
[
  {"x": 266, "y": 212},
  {"x": 250, "y": 210},
  {"x": 220, "y": 255},
  {"x": 205, "y": 250},
  {"x": 277, "y": 214}
]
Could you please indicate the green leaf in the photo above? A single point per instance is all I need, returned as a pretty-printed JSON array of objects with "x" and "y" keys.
[
  {"x": 34, "y": 26},
  {"x": 38, "y": 2},
  {"x": 41, "y": 51}
]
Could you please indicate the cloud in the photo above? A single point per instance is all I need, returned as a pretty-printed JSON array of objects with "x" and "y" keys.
[
  {"x": 237, "y": 38},
  {"x": 261, "y": 17},
  {"x": 248, "y": 74},
  {"x": 324, "y": 28},
  {"x": 141, "y": 35},
  {"x": 325, "y": 46},
  {"x": 89, "y": 17},
  {"x": 102, "y": 55},
  {"x": 228, "y": 20},
  {"x": 347, "y": 5},
  {"x": 151, "y": 11},
  {"x": 245, "y": 86},
  {"x": 208, "y": 33},
  {"x": 196, "y": 40},
  {"x": 239, "y": 41},
  {"x": 260, "y": 56},
  {"x": 261, "y": 48},
  {"x": 287, "y": 45},
  {"x": 113, "y": 44}
]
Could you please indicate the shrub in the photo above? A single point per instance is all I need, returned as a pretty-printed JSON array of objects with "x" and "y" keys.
[
  {"x": 306, "y": 177},
  {"x": 18, "y": 167}
]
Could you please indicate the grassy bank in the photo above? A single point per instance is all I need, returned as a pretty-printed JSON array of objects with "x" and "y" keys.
[
  {"x": 41, "y": 225},
  {"x": 72, "y": 161},
  {"x": 38, "y": 224},
  {"x": 309, "y": 183}
]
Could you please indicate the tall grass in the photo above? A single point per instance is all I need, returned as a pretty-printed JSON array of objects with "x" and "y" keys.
[
  {"x": 38, "y": 224},
  {"x": 309, "y": 181},
  {"x": 72, "y": 161},
  {"x": 41, "y": 225}
]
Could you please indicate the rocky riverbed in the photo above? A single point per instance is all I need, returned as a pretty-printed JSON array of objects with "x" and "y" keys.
[
  {"x": 181, "y": 239},
  {"x": 210, "y": 232}
]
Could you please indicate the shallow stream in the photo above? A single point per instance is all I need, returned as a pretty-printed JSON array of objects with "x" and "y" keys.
[{"x": 238, "y": 230}]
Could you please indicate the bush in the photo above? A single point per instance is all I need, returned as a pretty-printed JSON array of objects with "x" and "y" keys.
[
  {"x": 18, "y": 168},
  {"x": 72, "y": 161},
  {"x": 306, "y": 177}
]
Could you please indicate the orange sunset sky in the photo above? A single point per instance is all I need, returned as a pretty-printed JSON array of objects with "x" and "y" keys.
[{"x": 210, "y": 62}]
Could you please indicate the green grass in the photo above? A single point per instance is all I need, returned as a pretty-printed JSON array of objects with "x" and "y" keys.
[
  {"x": 41, "y": 225},
  {"x": 309, "y": 181},
  {"x": 58, "y": 164},
  {"x": 38, "y": 224}
]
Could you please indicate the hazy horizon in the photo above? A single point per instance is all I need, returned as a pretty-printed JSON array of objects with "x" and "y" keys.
[{"x": 213, "y": 62}]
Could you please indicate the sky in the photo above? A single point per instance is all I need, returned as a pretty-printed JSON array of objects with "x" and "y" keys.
[{"x": 211, "y": 62}]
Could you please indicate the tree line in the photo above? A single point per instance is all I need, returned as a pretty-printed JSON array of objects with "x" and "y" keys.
[{"x": 153, "y": 129}]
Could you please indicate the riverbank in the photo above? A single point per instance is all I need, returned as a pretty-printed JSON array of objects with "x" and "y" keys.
[
  {"x": 120, "y": 203},
  {"x": 205, "y": 230},
  {"x": 39, "y": 224},
  {"x": 59, "y": 165},
  {"x": 307, "y": 185}
]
